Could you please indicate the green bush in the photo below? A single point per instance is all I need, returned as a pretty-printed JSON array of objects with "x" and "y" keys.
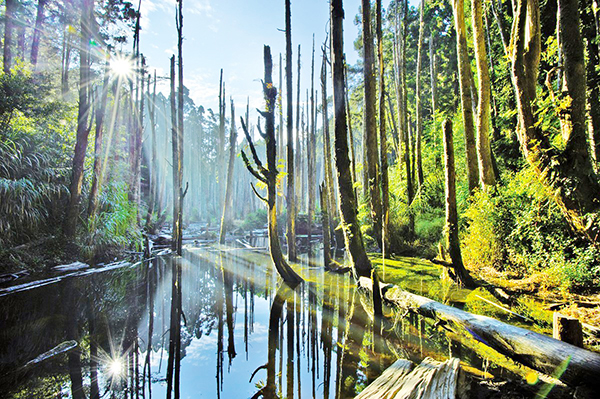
[
  {"x": 255, "y": 220},
  {"x": 520, "y": 229}
]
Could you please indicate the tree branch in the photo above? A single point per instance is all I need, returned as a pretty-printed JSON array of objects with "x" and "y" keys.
[
  {"x": 258, "y": 195},
  {"x": 251, "y": 169}
]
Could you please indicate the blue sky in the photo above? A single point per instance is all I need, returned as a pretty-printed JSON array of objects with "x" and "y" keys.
[{"x": 230, "y": 34}]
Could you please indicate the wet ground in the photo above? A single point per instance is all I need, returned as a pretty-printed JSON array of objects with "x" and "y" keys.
[{"x": 217, "y": 323}]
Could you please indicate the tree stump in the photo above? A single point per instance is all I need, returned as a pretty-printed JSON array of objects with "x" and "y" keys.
[{"x": 567, "y": 329}]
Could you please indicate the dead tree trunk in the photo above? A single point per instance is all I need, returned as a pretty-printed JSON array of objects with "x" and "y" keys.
[
  {"x": 383, "y": 148},
  {"x": 37, "y": 33},
  {"x": 268, "y": 175},
  {"x": 310, "y": 147},
  {"x": 372, "y": 159},
  {"x": 298, "y": 153},
  {"x": 352, "y": 233},
  {"x": 291, "y": 193},
  {"x": 325, "y": 224},
  {"x": 221, "y": 149},
  {"x": 176, "y": 164},
  {"x": 226, "y": 217},
  {"x": 568, "y": 173},
  {"x": 452, "y": 240},
  {"x": 487, "y": 177},
  {"x": 83, "y": 129},
  {"x": 465, "y": 76},
  {"x": 179, "y": 24}
]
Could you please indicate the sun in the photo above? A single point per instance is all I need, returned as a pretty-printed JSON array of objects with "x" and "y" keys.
[
  {"x": 121, "y": 66},
  {"x": 115, "y": 367}
]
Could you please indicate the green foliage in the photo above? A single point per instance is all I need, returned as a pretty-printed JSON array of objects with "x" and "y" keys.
[
  {"x": 115, "y": 226},
  {"x": 255, "y": 220},
  {"x": 520, "y": 230}
]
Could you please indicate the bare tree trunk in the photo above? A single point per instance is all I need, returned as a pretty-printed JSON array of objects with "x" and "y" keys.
[
  {"x": 385, "y": 191},
  {"x": 350, "y": 133},
  {"x": 226, "y": 217},
  {"x": 593, "y": 77},
  {"x": 465, "y": 77},
  {"x": 569, "y": 174},
  {"x": 66, "y": 60},
  {"x": 403, "y": 119},
  {"x": 452, "y": 240},
  {"x": 326, "y": 226},
  {"x": 9, "y": 21},
  {"x": 487, "y": 177},
  {"x": 179, "y": 24},
  {"x": 372, "y": 161},
  {"x": 97, "y": 174},
  {"x": 298, "y": 159},
  {"x": 221, "y": 149},
  {"x": 268, "y": 175},
  {"x": 176, "y": 164},
  {"x": 418, "y": 94},
  {"x": 326, "y": 139},
  {"x": 310, "y": 148},
  {"x": 152, "y": 202},
  {"x": 83, "y": 129},
  {"x": 433, "y": 73},
  {"x": 37, "y": 33},
  {"x": 291, "y": 193},
  {"x": 352, "y": 233}
]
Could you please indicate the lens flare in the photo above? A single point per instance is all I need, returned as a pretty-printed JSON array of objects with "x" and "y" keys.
[
  {"x": 121, "y": 66},
  {"x": 115, "y": 367}
]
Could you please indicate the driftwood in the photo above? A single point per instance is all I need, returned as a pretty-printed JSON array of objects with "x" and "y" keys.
[
  {"x": 429, "y": 380},
  {"x": 568, "y": 363}
]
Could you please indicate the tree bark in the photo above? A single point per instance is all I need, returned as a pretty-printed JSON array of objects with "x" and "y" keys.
[
  {"x": 226, "y": 217},
  {"x": 385, "y": 194},
  {"x": 310, "y": 146},
  {"x": 221, "y": 149},
  {"x": 452, "y": 240},
  {"x": 83, "y": 130},
  {"x": 403, "y": 119},
  {"x": 465, "y": 76},
  {"x": 433, "y": 73},
  {"x": 291, "y": 193},
  {"x": 298, "y": 153},
  {"x": 593, "y": 77},
  {"x": 176, "y": 164},
  {"x": 569, "y": 173},
  {"x": 352, "y": 233},
  {"x": 37, "y": 33},
  {"x": 9, "y": 22},
  {"x": 418, "y": 94},
  {"x": 487, "y": 177},
  {"x": 153, "y": 197},
  {"x": 370, "y": 120},
  {"x": 326, "y": 139},
  {"x": 326, "y": 228},
  {"x": 268, "y": 175},
  {"x": 180, "y": 126}
]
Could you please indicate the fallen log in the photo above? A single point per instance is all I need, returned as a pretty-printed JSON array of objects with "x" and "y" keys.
[
  {"x": 568, "y": 363},
  {"x": 429, "y": 380}
]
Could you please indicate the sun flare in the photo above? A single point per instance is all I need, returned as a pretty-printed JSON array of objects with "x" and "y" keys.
[{"x": 121, "y": 66}]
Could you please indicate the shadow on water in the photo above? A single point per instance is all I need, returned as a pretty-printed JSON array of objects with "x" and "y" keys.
[{"x": 163, "y": 328}]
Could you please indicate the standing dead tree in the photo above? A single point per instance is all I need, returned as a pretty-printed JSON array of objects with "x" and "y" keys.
[
  {"x": 268, "y": 175},
  {"x": 225, "y": 219},
  {"x": 291, "y": 191}
]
